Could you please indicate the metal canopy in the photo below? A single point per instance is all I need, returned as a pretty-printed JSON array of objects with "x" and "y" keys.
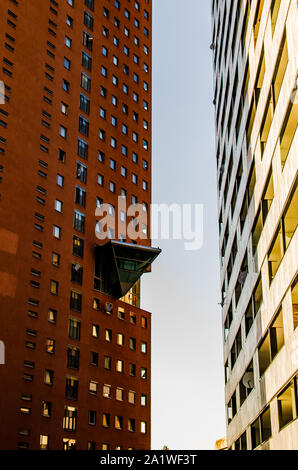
[{"x": 118, "y": 265}]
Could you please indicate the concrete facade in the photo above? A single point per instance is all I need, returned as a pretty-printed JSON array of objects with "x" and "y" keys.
[{"x": 255, "y": 48}]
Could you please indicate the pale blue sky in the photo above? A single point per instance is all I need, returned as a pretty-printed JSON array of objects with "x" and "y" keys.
[{"x": 183, "y": 290}]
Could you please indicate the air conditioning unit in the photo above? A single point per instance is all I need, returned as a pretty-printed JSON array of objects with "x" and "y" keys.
[{"x": 109, "y": 307}]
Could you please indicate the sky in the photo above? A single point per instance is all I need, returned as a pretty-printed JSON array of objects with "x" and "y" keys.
[{"x": 183, "y": 290}]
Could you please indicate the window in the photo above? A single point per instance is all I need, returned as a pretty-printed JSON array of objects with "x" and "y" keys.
[
  {"x": 287, "y": 402},
  {"x": 87, "y": 40},
  {"x": 84, "y": 103},
  {"x": 143, "y": 427},
  {"x": 131, "y": 397},
  {"x": 106, "y": 420},
  {"x": 54, "y": 285},
  {"x": 119, "y": 365},
  {"x": 246, "y": 383},
  {"x": 254, "y": 305},
  {"x": 288, "y": 131},
  {"x": 106, "y": 392},
  {"x": 261, "y": 429},
  {"x": 283, "y": 234},
  {"x": 77, "y": 273},
  {"x": 82, "y": 148},
  {"x": 132, "y": 318},
  {"x": 86, "y": 61},
  {"x": 44, "y": 442},
  {"x": 63, "y": 132},
  {"x": 48, "y": 377},
  {"x": 74, "y": 329},
  {"x": 79, "y": 221},
  {"x": 272, "y": 343},
  {"x": 70, "y": 418},
  {"x": 108, "y": 335},
  {"x": 100, "y": 179},
  {"x": 75, "y": 300},
  {"x": 143, "y": 400},
  {"x": 84, "y": 126},
  {"x": 61, "y": 155},
  {"x": 68, "y": 41},
  {"x": 71, "y": 389},
  {"x": 118, "y": 422},
  {"x": 121, "y": 313},
  {"x": 94, "y": 359},
  {"x": 50, "y": 345},
  {"x": 275, "y": 6},
  {"x": 294, "y": 294},
  {"x": 80, "y": 196},
  {"x": 81, "y": 172},
  {"x": 52, "y": 315},
  {"x": 120, "y": 339},
  {"x": 236, "y": 348},
  {"x": 58, "y": 205},
  {"x": 46, "y": 408},
  {"x": 64, "y": 108},
  {"x": 73, "y": 357},
  {"x": 107, "y": 362},
  {"x": 60, "y": 180},
  {"x": 65, "y": 85},
  {"x": 92, "y": 417},
  {"x": 69, "y": 21},
  {"x": 143, "y": 373},
  {"x": 95, "y": 330},
  {"x": 132, "y": 344},
  {"x": 88, "y": 20},
  {"x": 280, "y": 68},
  {"x": 85, "y": 82},
  {"x": 78, "y": 246},
  {"x": 93, "y": 387},
  {"x": 67, "y": 63}
]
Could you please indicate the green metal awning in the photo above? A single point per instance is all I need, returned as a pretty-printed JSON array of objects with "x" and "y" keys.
[{"x": 119, "y": 265}]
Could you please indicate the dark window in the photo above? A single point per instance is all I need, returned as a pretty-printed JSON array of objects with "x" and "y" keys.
[
  {"x": 73, "y": 357},
  {"x": 74, "y": 329},
  {"x": 75, "y": 301},
  {"x": 84, "y": 103}
]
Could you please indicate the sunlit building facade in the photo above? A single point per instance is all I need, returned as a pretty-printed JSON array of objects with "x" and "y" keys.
[
  {"x": 75, "y": 134},
  {"x": 255, "y": 59}
]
